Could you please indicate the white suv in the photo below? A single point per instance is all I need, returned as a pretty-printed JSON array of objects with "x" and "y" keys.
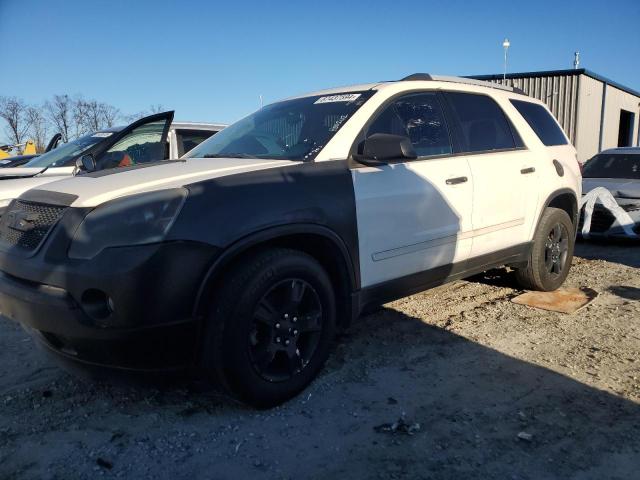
[{"x": 241, "y": 260}]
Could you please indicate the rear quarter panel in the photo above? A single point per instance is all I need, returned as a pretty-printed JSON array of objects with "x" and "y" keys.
[{"x": 549, "y": 181}]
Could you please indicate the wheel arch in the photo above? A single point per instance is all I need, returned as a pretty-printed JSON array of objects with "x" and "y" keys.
[
  {"x": 564, "y": 199},
  {"x": 320, "y": 242}
]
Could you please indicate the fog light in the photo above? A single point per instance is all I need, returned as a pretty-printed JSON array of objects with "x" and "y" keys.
[{"x": 97, "y": 304}]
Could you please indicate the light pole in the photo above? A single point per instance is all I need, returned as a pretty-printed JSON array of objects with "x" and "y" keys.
[{"x": 506, "y": 44}]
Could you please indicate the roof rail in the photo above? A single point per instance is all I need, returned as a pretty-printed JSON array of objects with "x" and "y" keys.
[{"x": 467, "y": 81}]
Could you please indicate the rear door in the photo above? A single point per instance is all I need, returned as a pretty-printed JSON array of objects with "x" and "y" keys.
[
  {"x": 143, "y": 141},
  {"x": 503, "y": 171},
  {"x": 413, "y": 216}
]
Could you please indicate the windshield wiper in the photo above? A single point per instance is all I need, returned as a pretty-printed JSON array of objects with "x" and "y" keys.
[
  {"x": 41, "y": 171},
  {"x": 9, "y": 177},
  {"x": 227, "y": 155}
]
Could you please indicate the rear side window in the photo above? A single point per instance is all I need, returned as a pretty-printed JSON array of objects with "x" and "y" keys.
[
  {"x": 541, "y": 122},
  {"x": 188, "y": 139},
  {"x": 418, "y": 117},
  {"x": 483, "y": 124}
]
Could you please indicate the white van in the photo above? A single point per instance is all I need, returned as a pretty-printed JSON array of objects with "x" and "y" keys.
[{"x": 148, "y": 139}]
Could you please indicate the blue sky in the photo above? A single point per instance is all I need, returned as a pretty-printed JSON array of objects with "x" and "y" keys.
[{"x": 210, "y": 60}]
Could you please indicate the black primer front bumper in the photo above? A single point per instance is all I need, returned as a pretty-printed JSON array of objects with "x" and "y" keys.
[{"x": 151, "y": 289}]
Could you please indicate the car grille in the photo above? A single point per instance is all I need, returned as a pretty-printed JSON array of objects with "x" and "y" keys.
[
  {"x": 602, "y": 218},
  {"x": 26, "y": 224},
  {"x": 631, "y": 207}
]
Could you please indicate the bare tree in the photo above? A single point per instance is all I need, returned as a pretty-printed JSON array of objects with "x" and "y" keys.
[
  {"x": 39, "y": 127},
  {"x": 91, "y": 118},
  {"x": 157, "y": 108},
  {"x": 71, "y": 116},
  {"x": 93, "y": 115},
  {"x": 60, "y": 111},
  {"x": 14, "y": 112},
  {"x": 109, "y": 115},
  {"x": 82, "y": 116}
]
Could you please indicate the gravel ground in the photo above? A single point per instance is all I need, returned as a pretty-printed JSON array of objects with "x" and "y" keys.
[{"x": 457, "y": 382}]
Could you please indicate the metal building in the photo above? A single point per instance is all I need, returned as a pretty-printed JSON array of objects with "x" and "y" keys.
[{"x": 595, "y": 112}]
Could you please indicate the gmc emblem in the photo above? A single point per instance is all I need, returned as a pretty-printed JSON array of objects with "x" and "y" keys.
[{"x": 21, "y": 220}]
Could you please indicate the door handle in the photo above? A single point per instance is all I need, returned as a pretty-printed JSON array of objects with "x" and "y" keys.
[
  {"x": 524, "y": 171},
  {"x": 456, "y": 180}
]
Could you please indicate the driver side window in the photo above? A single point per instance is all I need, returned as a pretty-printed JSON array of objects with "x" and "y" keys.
[
  {"x": 418, "y": 117},
  {"x": 141, "y": 145}
]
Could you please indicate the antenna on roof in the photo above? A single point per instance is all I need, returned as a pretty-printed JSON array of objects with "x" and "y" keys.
[{"x": 576, "y": 60}]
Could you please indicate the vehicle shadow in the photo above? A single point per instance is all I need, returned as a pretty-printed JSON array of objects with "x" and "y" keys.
[
  {"x": 481, "y": 414},
  {"x": 625, "y": 291},
  {"x": 496, "y": 277},
  {"x": 624, "y": 254}
]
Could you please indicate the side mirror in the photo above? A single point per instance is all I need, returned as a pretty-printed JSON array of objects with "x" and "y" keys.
[
  {"x": 86, "y": 163},
  {"x": 383, "y": 148}
]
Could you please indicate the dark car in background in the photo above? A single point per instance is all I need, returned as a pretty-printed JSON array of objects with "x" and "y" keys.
[{"x": 617, "y": 170}]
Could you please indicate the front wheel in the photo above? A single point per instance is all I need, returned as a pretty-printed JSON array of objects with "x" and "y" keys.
[
  {"x": 551, "y": 254},
  {"x": 270, "y": 328}
]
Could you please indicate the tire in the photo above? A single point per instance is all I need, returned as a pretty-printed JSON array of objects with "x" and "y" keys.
[
  {"x": 551, "y": 254},
  {"x": 270, "y": 327}
]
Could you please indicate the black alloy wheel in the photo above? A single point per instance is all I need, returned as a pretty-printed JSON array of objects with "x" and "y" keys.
[
  {"x": 270, "y": 326},
  {"x": 557, "y": 249},
  {"x": 550, "y": 254},
  {"x": 287, "y": 323}
]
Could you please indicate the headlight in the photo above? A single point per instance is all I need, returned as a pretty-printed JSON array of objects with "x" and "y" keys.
[{"x": 135, "y": 220}]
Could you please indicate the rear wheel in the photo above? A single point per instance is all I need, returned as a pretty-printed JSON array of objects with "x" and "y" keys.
[
  {"x": 551, "y": 254},
  {"x": 270, "y": 328}
]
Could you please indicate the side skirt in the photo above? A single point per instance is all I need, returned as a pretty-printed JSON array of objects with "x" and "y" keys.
[{"x": 418, "y": 282}]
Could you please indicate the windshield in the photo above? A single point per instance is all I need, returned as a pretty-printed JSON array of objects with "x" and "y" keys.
[
  {"x": 289, "y": 130},
  {"x": 607, "y": 165},
  {"x": 65, "y": 154}
]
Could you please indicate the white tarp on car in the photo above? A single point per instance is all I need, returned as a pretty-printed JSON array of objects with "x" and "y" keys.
[{"x": 604, "y": 197}]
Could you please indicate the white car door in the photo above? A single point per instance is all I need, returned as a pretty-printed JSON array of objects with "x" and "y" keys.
[
  {"x": 413, "y": 216},
  {"x": 503, "y": 172}
]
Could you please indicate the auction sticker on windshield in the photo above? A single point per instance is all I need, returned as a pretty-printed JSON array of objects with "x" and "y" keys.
[{"x": 344, "y": 97}]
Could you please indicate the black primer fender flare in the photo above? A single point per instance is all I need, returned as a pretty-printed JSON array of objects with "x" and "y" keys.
[{"x": 273, "y": 233}]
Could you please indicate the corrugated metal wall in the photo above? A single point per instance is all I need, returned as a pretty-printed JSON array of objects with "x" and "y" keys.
[
  {"x": 559, "y": 92},
  {"x": 590, "y": 110},
  {"x": 618, "y": 100}
]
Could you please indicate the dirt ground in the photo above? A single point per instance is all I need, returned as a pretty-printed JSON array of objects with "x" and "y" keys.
[{"x": 478, "y": 387}]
